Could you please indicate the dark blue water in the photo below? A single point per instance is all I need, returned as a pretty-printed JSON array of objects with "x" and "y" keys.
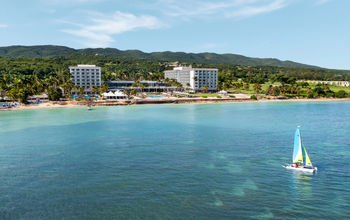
[{"x": 218, "y": 161}]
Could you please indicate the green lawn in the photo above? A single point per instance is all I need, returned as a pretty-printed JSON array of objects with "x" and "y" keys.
[{"x": 264, "y": 87}]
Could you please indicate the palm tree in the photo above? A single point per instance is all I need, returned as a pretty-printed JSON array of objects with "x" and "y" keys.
[
  {"x": 143, "y": 86},
  {"x": 136, "y": 85},
  {"x": 95, "y": 89},
  {"x": 81, "y": 91},
  {"x": 67, "y": 87},
  {"x": 4, "y": 84},
  {"x": 257, "y": 88},
  {"x": 103, "y": 88},
  {"x": 51, "y": 82},
  {"x": 64, "y": 81},
  {"x": 127, "y": 92},
  {"x": 204, "y": 89},
  {"x": 246, "y": 86}
]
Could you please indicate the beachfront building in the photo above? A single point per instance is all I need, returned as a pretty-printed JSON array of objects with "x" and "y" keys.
[
  {"x": 334, "y": 83},
  {"x": 223, "y": 93},
  {"x": 117, "y": 95},
  {"x": 197, "y": 79},
  {"x": 180, "y": 74},
  {"x": 38, "y": 98},
  {"x": 86, "y": 76},
  {"x": 147, "y": 86}
]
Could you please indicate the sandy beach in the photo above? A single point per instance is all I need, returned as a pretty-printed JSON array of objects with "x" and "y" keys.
[
  {"x": 72, "y": 104},
  {"x": 47, "y": 105}
]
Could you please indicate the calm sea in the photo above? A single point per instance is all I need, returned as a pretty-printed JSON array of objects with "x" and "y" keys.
[{"x": 212, "y": 161}]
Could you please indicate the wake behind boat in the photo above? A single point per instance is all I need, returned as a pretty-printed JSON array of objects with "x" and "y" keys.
[{"x": 301, "y": 160}]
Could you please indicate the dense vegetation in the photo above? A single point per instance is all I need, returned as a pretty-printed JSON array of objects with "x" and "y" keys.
[
  {"x": 209, "y": 58},
  {"x": 21, "y": 77}
]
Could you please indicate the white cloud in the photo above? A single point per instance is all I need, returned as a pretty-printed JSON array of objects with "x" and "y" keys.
[
  {"x": 223, "y": 8},
  {"x": 65, "y": 2},
  {"x": 3, "y": 25},
  {"x": 258, "y": 9},
  {"x": 100, "y": 31}
]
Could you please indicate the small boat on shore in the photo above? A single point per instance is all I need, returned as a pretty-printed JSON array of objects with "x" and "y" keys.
[{"x": 301, "y": 160}]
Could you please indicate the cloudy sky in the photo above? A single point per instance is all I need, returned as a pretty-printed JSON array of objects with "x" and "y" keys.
[{"x": 309, "y": 31}]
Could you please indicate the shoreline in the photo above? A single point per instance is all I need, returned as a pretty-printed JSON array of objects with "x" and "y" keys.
[{"x": 74, "y": 104}]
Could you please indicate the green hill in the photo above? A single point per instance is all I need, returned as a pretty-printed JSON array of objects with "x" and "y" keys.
[{"x": 49, "y": 51}]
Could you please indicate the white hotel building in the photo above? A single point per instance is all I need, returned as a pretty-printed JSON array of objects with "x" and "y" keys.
[
  {"x": 86, "y": 76},
  {"x": 196, "y": 78}
]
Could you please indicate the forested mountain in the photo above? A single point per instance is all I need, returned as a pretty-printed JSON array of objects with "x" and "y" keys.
[{"x": 49, "y": 51}]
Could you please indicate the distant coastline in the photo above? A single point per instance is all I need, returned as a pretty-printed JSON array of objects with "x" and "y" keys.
[{"x": 73, "y": 104}]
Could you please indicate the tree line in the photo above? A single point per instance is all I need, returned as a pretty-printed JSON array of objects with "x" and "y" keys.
[{"x": 22, "y": 77}]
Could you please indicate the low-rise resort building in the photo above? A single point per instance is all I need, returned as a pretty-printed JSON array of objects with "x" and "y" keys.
[
  {"x": 117, "y": 95},
  {"x": 37, "y": 98},
  {"x": 197, "y": 79},
  {"x": 148, "y": 86},
  {"x": 333, "y": 83}
]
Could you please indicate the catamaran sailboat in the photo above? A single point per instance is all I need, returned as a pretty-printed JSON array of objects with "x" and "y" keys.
[{"x": 301, "y": 160}]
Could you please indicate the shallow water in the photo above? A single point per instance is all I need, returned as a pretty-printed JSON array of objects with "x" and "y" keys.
[{"x": 212, "y": 161}]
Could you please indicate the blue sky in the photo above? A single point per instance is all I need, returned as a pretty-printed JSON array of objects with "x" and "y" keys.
[{"x": 309, "y": 31}]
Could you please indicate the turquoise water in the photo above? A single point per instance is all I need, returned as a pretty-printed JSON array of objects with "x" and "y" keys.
[
  {"x": 155, "y": 96},
  {"x": 215, "y": 161}
]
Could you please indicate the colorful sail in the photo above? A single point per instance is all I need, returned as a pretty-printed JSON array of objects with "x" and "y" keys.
[
  {"x": 307, "y": 161},
  {"x": 299, "y": 153},
  {"x": 298, "y": 149}
]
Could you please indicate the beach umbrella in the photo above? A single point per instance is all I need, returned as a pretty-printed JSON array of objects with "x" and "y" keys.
[
  {"x": 87, "y": 96},
  {"x": 74, "y": 96}
]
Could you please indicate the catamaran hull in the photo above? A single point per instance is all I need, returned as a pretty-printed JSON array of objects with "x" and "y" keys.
[{"x": 301, "y": 169}]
